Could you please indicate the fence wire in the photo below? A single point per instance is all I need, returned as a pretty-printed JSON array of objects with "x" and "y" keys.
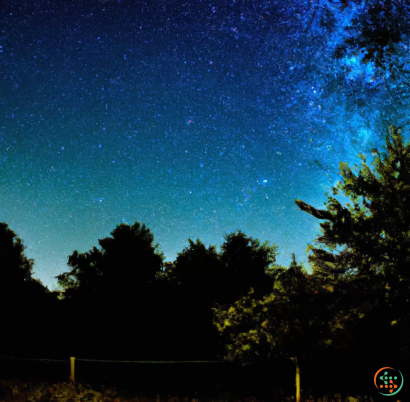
[{"x": 116, "y": 361}]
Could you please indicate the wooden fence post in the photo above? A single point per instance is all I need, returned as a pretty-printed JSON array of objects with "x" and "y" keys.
[
  {"x": 72, "y": 367},
  {"x": 295, "y": 360}
]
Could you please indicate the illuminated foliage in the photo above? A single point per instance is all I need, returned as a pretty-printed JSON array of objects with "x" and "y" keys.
[
  {"x": 374, "y": 226},
  {"x": 290, "y": 321},
  {"x": 358, "y": 292},
  {"x": 370, "y": 273}
]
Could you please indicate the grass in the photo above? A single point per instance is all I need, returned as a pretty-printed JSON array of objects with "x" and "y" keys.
[{"x": 34, "y": 391}]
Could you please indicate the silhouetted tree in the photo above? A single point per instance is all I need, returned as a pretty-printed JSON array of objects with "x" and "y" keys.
[
  {"x": 370, "y": 32},
  {"x": 198, "y": 266},
  {"x": 370, "y": 274},
  {"x": 193, "y": 283},
  {"x": 126, "y": 262},
  {"x": 111, "y": 293},
  {"x": 22, "y": 297},
  {"x": 374, "y": 227},
  {"x": 206, "y": 277},
  {"x": 246, "y": 264},
  {"x": 242, "y": 263},
  {"x": 16, "y": 268}
]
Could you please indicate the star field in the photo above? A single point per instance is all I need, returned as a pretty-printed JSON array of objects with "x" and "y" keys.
[{"x": 196, "y": 118}]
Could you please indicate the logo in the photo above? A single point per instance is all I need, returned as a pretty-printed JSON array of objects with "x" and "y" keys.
[{"x": 388, "y": 381}]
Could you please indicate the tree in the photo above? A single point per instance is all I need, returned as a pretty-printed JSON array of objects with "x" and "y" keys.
[
  {"x": 357, "y": 296},
  {"x": 242, "y": 263},
  {"x": 359, "y": 81},
  {"x": 205, "y": 277},
  {"x": 290, "y": 321},
  {"x": 192, "y": 283},
  {"x": 16, "y": 268},
  {"x": 198, "y": 266},
  {"x": 369, "y": 33},
  {"x": 371, "y": 272},
  {"x": 110, "y": 292},
  {"x": 246, "y": 262},
  {"x": 126, "y": 262},
  {"x": 374, "y": 228},
  {"x": 22, "y": 297}
]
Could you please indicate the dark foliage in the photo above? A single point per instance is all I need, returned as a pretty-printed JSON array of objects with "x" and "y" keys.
[{"x": 26, "y": 303}]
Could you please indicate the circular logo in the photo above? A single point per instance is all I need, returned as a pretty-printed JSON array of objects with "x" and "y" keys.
[{"x": 388, "y": 381}]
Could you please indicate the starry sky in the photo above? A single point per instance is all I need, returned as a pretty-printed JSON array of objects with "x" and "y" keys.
[{"x": 197, "y": 118}]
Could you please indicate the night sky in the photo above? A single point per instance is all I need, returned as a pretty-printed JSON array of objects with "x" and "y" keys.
[{"x": 196, "y": 118}]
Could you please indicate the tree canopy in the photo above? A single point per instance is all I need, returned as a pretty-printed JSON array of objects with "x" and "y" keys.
[
  {"x": 357, "y": 294},
  {"x": 197, "y": 265},
  {"x": 374, "y": 226},
  {"x": 374, "y": 230},
  {"x": 25, "y": 298},
  {"x": 201, "y": 276},
  {"x": 290, "y": 321},
  {"x": 125, "y": 262},
  {"x": 16, "y": 268},
  {"x": 247, "y": 263},
  {"x": 242, "y": 263}
]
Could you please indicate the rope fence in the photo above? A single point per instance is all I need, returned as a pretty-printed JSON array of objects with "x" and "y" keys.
[
  {"x": 117, "y": 361},
  {"x": 73, "y": 359}
]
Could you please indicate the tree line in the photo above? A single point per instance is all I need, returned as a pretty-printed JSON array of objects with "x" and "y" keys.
[{"x": 122, "y": 301}]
